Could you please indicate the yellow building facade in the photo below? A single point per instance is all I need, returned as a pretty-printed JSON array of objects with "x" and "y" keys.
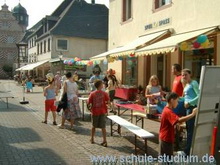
[{"x": 184, "y": 21}]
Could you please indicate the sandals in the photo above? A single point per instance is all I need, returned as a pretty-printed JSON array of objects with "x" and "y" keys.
[
  {"x": 62, "y": 127},
  {"x": 104, "y": 144},
  {"x": 45, "y": 122}
]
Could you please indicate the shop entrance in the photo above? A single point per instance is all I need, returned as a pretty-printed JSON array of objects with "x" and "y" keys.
[{"x": 161, "y": 69}]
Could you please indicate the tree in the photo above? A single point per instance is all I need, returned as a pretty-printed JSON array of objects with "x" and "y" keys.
[{"x": 8, "y": 69}]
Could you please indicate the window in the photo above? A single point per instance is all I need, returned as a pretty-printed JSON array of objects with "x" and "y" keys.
[
  {"x": 131, "y": 71},
  {"x": 160, "y": 3},
  {"x": 37, "y": 48},
  {"x": 195, "y": 59},
  {"x": 126, "y": 10},
  {"x": 41, "y": 47},
  {"x": 62, "y": 44},
  {"x": 48, "y": 45},
  {"x": 45, "y": 46}
]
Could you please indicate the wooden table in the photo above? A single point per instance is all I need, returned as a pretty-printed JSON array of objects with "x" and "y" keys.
[
  {"x": 5, "y": 95},
  {"x": 126, "y": 93}
]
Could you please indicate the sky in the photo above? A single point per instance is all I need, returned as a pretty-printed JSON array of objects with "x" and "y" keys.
[{"x": 37, "y": 11}]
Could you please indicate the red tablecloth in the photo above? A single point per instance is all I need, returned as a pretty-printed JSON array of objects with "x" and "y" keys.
[
  {"x": 135, "y": 107},
  {"x": 126, "y": 93}
]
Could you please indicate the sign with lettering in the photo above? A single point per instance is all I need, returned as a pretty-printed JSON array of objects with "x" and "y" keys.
[
  {"x": 75, "y": 67},
  {"x": 160, "y": 23}
]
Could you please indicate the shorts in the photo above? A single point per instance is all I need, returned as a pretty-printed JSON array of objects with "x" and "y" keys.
[
  {"x": 50, "y": 105},
  {"x": 166, "y": 148},
  {"x": 112, "y": 95},
  {"x": 99, "y": 121}
]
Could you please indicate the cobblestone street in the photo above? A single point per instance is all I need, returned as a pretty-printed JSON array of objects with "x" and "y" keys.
[{"x": 25, "y": 140}]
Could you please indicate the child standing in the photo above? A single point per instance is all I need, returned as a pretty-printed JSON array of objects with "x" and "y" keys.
[
  {"x": 98, "y": 100},
  {"x": 168, "y": 120},
  {"x": 50, "y": 93},
  {"x": 112, "y": 84},
  {"x": 153, "y": 90}
]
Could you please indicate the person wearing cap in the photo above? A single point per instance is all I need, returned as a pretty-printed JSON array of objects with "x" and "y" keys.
[{"x": 50, "y": 93}]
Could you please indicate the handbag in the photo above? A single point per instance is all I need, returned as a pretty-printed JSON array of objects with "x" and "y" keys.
[{"x": 62, "y": 103}]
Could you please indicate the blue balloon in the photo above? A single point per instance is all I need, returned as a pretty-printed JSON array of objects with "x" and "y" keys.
[
  {"x": 202, "y": 38},
  {"x": 72, "y": 60}
]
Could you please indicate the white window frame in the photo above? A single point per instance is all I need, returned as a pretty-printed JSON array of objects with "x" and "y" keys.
[{"x": 67, "y": 46}]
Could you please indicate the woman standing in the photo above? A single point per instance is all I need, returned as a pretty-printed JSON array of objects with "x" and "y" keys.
[
  {"x": 112, "y": 84},
  {"x": 73, "y": 110},
  {"x": 191, "y": 94}
]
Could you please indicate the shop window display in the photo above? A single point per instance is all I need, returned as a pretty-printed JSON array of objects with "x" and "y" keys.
[
  {"x": 131, "y": 71},
  {"x": 195, "y": 59}
]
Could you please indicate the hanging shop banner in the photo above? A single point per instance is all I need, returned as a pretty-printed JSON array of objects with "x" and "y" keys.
[{"x": 75, "y": 67}]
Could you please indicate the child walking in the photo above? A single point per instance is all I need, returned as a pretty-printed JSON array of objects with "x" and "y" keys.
[
  {"x": 50, "y": 93},
  {"x": 168, "y": 121},
  {"x": 98, "y": 100}
]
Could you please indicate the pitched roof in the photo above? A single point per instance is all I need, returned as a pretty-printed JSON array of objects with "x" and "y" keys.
[{"x": 83, "y": 20}]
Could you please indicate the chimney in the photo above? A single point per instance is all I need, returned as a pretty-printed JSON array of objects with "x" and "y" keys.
[{"x": 93, "y": 2}]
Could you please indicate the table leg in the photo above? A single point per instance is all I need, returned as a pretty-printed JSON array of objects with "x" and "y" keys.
[
  {"x": 145, "y": 145},
  {"x": 83, "y": 110},
  {"x": 142, "y": 122},
  {"x": 7, "y": 101},
  {"x": 118, "y": 111},
  {"x": 135, "y": 144},
  {"x": 131, "y": 116},
  {"x": 119, "y": 129},
  {"x": 111, "y": 128}
]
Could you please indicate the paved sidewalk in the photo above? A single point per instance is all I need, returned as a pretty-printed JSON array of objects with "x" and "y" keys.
[{"x": 25, "y": 140}]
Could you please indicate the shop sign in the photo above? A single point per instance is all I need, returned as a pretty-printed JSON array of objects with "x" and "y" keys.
[
  {"x": 159, "y": 23},
  {"x": 75, "y": 67}
]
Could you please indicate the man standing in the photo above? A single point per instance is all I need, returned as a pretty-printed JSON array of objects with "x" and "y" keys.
[{"x": 177, "y": 83}]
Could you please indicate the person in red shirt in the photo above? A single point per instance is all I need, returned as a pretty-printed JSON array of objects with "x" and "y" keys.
[
  {"x": 98, "y": 100},
  {"x": 177, "y": 83},
  {"x": 168, "y": 121}
]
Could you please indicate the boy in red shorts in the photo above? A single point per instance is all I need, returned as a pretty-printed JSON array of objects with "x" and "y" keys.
[
  {"x": 98, "y": 100},
  {"x": 168, "y": 121},
  {"x": 50, "y": 93}
]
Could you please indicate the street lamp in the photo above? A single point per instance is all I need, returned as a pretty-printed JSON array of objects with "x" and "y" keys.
[{"x": 60, "y": 57}]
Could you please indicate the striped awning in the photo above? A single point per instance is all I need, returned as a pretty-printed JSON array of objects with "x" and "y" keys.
[
  {"x": 104, "y": 55},
  {"x": 137, "y": 43},
  {"x": 170, "y": 44},
  {"x": 32, "y": 65}
]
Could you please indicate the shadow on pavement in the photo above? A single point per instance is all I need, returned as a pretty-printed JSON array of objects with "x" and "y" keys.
[
  {"x": 12, "y": 107},
  {"x": 18, "y": 146}
]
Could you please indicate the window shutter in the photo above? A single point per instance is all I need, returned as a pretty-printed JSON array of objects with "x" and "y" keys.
[
  {"x": 124, "y": 10},
  {"x": 156, "y": 4}
]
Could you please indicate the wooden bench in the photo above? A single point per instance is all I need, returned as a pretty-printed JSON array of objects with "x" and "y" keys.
[{"x": 137, "y": 131}]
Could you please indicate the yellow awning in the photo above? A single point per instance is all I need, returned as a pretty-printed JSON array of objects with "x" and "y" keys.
[
  {"x": 169, "y": 44},
  {"x": 139, "y": 42},
  {"x": 32, "y": 66},
  {"x": 104, "y": 55}
]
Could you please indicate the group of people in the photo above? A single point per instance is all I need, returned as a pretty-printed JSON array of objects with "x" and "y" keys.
[
  {"x": 68, "y": 87},
  {"x": 102, "y": 96},
  {"x": 180, "y": 107},
  {"x": 98, "y": 99}
]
